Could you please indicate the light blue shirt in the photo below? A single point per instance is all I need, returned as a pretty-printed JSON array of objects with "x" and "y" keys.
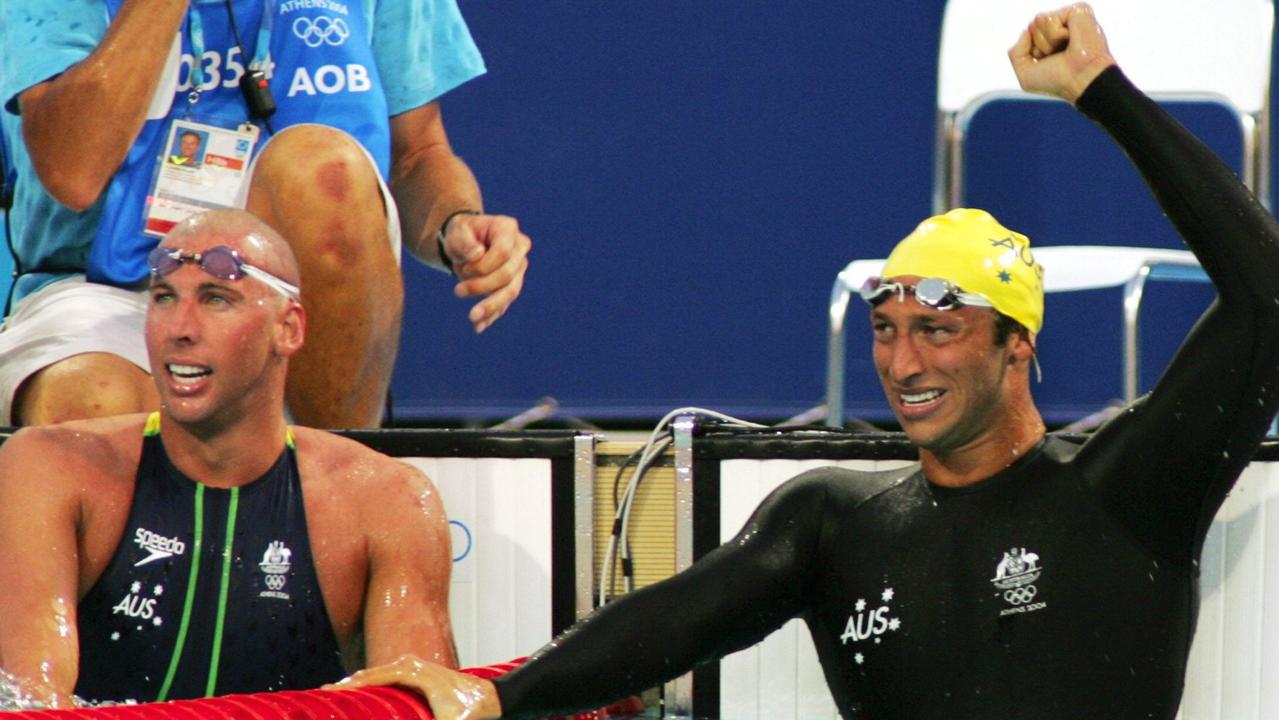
[{"x": 422, "y": 49}]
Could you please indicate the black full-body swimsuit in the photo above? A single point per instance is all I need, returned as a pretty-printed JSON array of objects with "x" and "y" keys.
[{"x": 1063, "y": 587}]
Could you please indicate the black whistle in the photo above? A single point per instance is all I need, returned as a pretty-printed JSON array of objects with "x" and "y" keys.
[{"x": 257, "y": 94}]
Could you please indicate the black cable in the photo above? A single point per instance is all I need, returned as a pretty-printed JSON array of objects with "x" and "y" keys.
[
  {"x": 235, "y": 29},
  {"x": 617, "y": 479},
  {"x": 7, "y": 191},
  {"x": 13, "y": 253},
  {"x": 623, "y": 546},
  {"x": 6, "y": 201},
  {"x": 617, "y": 521}
]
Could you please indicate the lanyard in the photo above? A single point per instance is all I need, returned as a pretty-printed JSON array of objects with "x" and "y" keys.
[
  {"x": 261, "y": 54},
  {"x": 196, "y": 27}
]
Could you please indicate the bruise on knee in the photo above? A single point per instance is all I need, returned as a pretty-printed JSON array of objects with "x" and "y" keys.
[
  {"x": 339, "y": 248},
  {"x": 323, "y": 164},
  {"x": 314, "y": 185},
  {"x": 317, "y": 188},
  {"x": 333, "y": 180}
]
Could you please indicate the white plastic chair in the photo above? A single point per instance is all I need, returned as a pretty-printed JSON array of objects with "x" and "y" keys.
[
  {"x": 1189, "y": 50},
  {"x": 1175, "y": 50}
]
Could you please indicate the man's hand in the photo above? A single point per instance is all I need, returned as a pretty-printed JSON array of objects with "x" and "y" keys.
[
  {"x": 490, "y": 257},
  {"x": 1061, "y": 52},
  {"x": 452, "y": 695}
]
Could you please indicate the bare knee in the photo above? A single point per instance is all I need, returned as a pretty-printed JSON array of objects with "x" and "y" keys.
[
  {"x": 318, "y": 188},
  {"x": 84, "y": 386},
  {"x": 316, "y": 163}
]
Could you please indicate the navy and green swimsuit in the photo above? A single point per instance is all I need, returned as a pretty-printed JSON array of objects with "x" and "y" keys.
[{"x": 210, "y": 591}]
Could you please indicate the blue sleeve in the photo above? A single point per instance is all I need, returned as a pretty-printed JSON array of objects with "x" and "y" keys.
[
  {"x": 42, "y": 38},
  {"x": 423, "y": 49}
]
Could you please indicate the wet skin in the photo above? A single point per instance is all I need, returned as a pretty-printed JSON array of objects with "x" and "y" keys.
[{"x": 941, "y": 371}]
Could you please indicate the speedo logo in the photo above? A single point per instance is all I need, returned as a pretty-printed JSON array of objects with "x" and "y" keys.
[{"x": 159, "y": 546}]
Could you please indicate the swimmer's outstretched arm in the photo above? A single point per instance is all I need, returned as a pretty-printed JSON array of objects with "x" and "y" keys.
[
  {"x": 42, "y": 478},
  {"x": 1164, "y": 468},
  {"x": 406, "y": 600},
  {"x": 729, "y": 600}
]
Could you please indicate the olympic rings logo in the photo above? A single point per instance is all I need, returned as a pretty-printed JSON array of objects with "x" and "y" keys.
[
  {"x": 321, "y": 30},
  {"x": 1021, "y": 595}
]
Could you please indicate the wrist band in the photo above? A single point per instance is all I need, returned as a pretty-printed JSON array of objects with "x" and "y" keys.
[{"x": 445, "y": 260}]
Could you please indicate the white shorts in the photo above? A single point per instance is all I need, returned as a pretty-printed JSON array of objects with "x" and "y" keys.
[
  {"x": 65, "y": 318},
  {"x": 71, "y": 317}
]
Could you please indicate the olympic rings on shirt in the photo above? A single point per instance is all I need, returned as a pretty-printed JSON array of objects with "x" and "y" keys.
[
  {"x": 321, "y": 30},
  {"x": 1021, "y": 595}
]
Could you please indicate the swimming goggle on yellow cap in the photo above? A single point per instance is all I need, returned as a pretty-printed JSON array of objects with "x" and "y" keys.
[{"x": 979, "y": 256}]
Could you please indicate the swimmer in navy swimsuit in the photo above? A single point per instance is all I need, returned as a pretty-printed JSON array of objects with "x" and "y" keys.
[
  {"x": 1009, "y": 574},
  {"x": 159, "y": 618},
  {"x": 230, "y": 552}
]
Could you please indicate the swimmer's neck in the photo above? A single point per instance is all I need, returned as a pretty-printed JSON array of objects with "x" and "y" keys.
[
  {"x": 984, "y": 456},
  {"x": 225, "y": 457}
]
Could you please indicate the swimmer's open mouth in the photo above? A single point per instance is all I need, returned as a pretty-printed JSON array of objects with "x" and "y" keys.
[
  {"x": 188, "y": 373},
  {"x": 920, "y": 398}
]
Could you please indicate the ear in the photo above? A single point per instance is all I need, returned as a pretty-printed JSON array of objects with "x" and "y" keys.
[
  {"x": 290, "y": 329},
  {"x": 1021, "y": 346}
]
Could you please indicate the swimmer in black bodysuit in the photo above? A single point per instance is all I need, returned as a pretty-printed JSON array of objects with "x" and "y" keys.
[{"x": 1010, "y": 574}]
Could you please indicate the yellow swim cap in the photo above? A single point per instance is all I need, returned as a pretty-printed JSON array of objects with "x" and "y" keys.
[{"x": 972, "y": 250}]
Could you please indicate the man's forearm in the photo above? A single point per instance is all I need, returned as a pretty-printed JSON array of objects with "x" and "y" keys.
[
  {"x": 427, "y": 188},
  {"x": 38, "y": 640},
  {"x": 79, "y": 126}
]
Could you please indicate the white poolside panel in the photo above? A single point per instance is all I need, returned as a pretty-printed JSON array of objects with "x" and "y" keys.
[
  {"x": 504, "y": 577},
  {"x": 1234, "y": 662},
  {"x": 779, "y": 678}
]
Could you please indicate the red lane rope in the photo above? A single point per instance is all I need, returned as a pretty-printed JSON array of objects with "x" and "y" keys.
[
  {"x": 377, "y": 703},
  {"x": 387, "y": 703}
]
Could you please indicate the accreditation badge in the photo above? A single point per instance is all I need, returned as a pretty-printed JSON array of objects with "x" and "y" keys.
[{"x": 203, "y": 167}]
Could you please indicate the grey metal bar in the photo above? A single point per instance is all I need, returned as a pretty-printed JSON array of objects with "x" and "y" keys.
[
  {"x": 679, "y": 692},
  {"x": 949, "y": 173},
  {"x": 1255, "y": 130},
  {"x": 584, "y": 522},
  {"x": 835, "y": 349},
  {"x": 1134, "y": 291}
]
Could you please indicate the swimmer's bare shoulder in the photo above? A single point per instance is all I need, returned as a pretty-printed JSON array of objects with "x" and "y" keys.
[
  {"x": 86, "y": 468},
  {"x": 376, "y": 523},
  {"x": 338, "y": 467},
  {"x": 80, "y": 450}
]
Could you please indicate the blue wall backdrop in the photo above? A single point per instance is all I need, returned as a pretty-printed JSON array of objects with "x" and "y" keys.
[{"x": 693, "y": 175}]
